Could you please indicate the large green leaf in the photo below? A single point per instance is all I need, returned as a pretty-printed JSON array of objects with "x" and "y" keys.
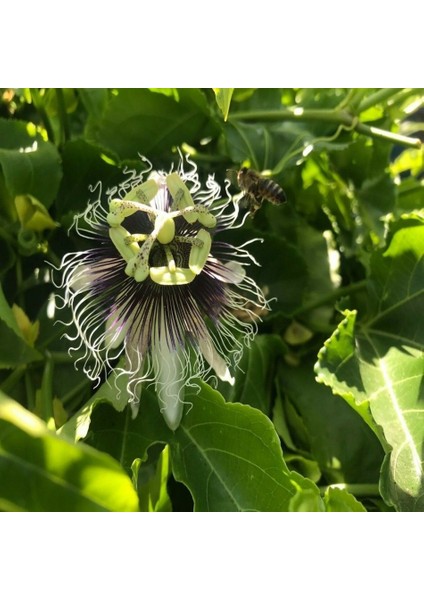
[
  {"x": 28, "y": 165},
  {"x": 41, "y": 472},
  {"x": 83, "y": 167},
  {"x": 139, "y": 121},
  {"x": 229, "y": 456},
  {"x": 380, "y": 363}
]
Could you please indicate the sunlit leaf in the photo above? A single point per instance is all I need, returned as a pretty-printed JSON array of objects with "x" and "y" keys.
[
  {"x": 307, "y": 497},
  {"x": 28, "y": 330},
  {"x": 379, "y": 364},
  {"x": 229, "y": 457},
  {"x": 41, "y": 472},
  {"x": 113, "y": 391},
  {"x": 32, "y": 214},
  {"x": 28, "y": 164},
  {"x": 340, "y": 500},
  {"x": 223, "y": 99},
  {"x": 153, "y": 493},
  {"x": 51, "y": 102},
  {"x": 14, "y": 349}
]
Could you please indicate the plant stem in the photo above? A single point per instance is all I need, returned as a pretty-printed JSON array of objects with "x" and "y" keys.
[
  {"x": 19, "y": 283},
  {"x": 63, "y": 358},
  {"x": 376, "y": 97},
  {"x": 12, "y": 379},
  {"x": 63, "y": 117},
  {"x": 339, "y": 117},
  {"x": 39, "y": 105},
  {"x": 382, "y": 134},
  {"x": 357, "y": 489},
  {"x": 47, "y": 393},
  {"x": 329, "y": 298},
  {"x": 66, "y": 399},
  {"x": 29, "y": 389}
]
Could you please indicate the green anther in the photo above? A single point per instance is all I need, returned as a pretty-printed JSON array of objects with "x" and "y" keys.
[
  {"x": 136, "y": 237},
  {"x": 200, "y": 213},
  {"x": 199, "y": 254},
  {"x": 166, "y": 276},
  {"x": 120, "y": 209},
  {"x": 207, "y": 219},
  {"x": 165, "y": 227},
  {"x": 144, "y": 192},
  {"x": 186, "y": 239},
  {"x": 119, "y": 236},
  {"x": 137, "y": 268},
  {"x": 181, "y": 196}
]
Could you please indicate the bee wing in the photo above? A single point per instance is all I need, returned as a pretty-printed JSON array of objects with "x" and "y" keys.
[{"x": 232, "y": 176}]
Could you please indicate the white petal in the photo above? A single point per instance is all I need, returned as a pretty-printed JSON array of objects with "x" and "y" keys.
[
  {"x": 216, "y": 361},
  {"x": 169, "y": 375}
]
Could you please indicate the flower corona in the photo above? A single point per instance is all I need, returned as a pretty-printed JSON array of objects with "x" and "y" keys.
[{"x": 158, "y": 289}]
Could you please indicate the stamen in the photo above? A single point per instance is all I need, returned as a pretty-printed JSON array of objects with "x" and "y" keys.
[
  {"x": 199, "y": 254},
  {"x": 127, "y": 249}
]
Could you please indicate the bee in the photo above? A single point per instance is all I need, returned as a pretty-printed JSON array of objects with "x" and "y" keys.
[{"x": 257, "y": 189}]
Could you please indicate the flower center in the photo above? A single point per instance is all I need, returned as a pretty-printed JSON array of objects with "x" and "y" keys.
[{"x": 136, "y": 248}]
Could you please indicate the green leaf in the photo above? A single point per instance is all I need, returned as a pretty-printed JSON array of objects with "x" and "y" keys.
[
  {"x": 380, "y": 364},
  {"x": 138, "y": 121},
  {"x": 113, "y": 391},
  {"x": 14, "y": 350},
  {"x": 94, "y": 99},
  {"x": 32, "y": 214},
  {"x": 223, "y": 99},
  {"x": 229, "y": 457},
  {"x": 336, "y": 436},
  {"x": 302, "y": 274},
  {"x": 340, "y": 500},
  {"x": 126, "y": 438},
  {"x": 307, "y": 497},
  {"x": 83, "y": 167},
  {"x": 153, "y": 493},
  {"x": 258, "y": 366},
  {"x": 286, "y": 280},
  {"x": 41, "y": 472},
  {"x": 7, "y": 254},
  {"x": 29, "y": 165}
]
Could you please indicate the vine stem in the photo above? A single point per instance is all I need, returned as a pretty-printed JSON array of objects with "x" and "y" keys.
[
  {"x": 63, "y": 117},
  {"x": 379, "y": 96},
  {"x": 39, "y": 105},
  {"x": 329, "y": 298},
  {"x": 339, "y": 117},
  {"x": 47, "y": 393},
  {"x": 357, "y": 489}
]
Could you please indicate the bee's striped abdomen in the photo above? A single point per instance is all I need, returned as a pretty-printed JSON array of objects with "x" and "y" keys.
[{"x": 271, "y": 191}]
